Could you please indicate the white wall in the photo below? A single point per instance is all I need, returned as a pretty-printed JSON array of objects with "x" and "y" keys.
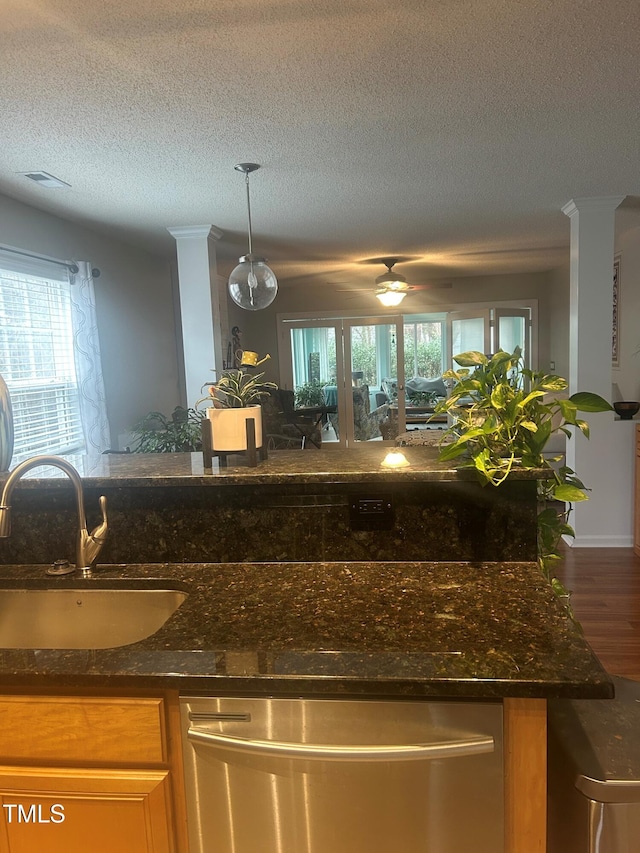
[
  {"x": 559, "y": 322},
  {"x": 627, "y": 376},
  {"x": 134, "y": 304}
]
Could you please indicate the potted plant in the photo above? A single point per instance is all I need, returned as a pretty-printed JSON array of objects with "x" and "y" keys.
[
  {"x": 310, "y": 394},
  {"x": 421, "y": 398},
  {"x": 235, "y": 399},
  {"x": 502, "y": 416},
  {"x": 157, "y": 433}
]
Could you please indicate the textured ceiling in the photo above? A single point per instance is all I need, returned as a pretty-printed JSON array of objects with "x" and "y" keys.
[{"x": 450, "y": 132}]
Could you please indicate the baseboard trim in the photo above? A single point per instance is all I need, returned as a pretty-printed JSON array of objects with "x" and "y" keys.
[{"x": 599, "y": 541}]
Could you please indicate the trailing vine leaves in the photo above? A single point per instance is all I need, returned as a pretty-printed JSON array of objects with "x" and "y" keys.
[{"x": 502, "y": 416}]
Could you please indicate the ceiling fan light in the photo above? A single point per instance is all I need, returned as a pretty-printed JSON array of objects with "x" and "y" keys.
[
  {"x": 391, "y": 278},
  {"x": 391, "y": 298}
]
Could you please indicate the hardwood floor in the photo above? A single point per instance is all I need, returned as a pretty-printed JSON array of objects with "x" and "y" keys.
[{"x": 605, "y": 585}]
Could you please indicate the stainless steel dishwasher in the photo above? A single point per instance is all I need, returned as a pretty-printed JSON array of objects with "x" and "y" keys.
[{"x": 343, "y": 776}]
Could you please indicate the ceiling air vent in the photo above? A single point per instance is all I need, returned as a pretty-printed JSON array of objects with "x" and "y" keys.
[{"x": 45, "y": 179}]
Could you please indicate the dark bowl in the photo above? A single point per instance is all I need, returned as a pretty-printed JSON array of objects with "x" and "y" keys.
[{"x": 627, "y": 409}]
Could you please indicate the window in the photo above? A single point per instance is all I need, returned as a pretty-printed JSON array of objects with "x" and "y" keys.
[
  {"x": 37, "y": 358},
  {"x": 423, "y": 346}
]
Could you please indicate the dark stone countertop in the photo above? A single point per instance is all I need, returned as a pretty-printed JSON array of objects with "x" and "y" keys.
[
  {"x": 600, "y": 741},
  {"x": 371, "y": 629},
  {"x": 283, "y": 467}
]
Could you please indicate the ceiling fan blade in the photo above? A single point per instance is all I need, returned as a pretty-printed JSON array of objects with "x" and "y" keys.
[{"x": 436, "y": 285}]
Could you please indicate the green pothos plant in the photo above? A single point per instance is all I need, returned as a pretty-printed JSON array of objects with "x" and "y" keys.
[{"x": 502, "y": 416}]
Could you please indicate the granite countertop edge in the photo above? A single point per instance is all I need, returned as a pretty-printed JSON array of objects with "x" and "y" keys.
[
  {"x": 464, "y": 630},
  {"x": 285, "y": 467}
]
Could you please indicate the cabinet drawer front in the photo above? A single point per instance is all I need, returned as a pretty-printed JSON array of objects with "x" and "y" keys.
[
  {"x": 95, "y": 730},
  {"x": 64, "y": 810}
]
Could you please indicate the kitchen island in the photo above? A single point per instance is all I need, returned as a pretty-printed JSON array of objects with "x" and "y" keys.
[
  {"x": 474, "y": 630},
  {"x": 392, "y": 631},
  {"x": 297, "y": 505}
]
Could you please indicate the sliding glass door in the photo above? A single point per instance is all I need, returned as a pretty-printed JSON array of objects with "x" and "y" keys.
[
  {"x": 469, "y": 330},
  {"x": 314, "y": 355},
  {"x": 489, "y": 330},
  {"x": 344, "y": 365},
  {"x": 355, "y": 367},
  {"x": 513, "y": 329},
  {"x": 314, "y": 360},
  {"x": 371, "y": 347}
]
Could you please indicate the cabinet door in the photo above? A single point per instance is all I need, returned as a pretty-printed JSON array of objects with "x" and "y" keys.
[{"x": 72, "y": 810}]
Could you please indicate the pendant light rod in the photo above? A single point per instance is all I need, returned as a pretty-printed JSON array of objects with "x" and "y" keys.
[
  {"x": 246, "y": 169},
  {"x": 252, "y": 284},
  {"x": 246, "y": 180}
]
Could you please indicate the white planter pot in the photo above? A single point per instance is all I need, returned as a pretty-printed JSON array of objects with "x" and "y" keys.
[{"x": 229, "y": 427}]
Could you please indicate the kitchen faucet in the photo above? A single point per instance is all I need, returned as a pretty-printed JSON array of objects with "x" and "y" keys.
[{"x": 88, "y": 545}]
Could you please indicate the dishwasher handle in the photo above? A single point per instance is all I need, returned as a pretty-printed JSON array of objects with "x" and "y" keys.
[{"x": 335, "y": 752}]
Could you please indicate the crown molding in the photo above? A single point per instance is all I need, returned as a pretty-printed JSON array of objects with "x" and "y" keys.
[
  {"x": 194, "y": 232},
  {"x": 599, "y": 203}
]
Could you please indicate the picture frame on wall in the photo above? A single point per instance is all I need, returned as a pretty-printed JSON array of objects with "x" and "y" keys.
[{"x": 615, "y": 329}]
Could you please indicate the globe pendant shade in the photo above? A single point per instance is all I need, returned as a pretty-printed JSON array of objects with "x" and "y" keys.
[{"x": 252, "y": 284}]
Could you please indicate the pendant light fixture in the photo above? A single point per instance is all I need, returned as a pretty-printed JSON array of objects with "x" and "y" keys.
[{"x": 252, "y": 284}]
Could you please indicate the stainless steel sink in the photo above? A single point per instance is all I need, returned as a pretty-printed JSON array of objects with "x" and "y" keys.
[{"x": 39, "y": 618}]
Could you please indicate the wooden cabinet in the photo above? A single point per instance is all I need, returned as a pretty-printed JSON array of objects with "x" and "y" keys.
[
  {"x": 525, "y": 775},
  {"x": 636, "y": 500},
  {"x": 64, "y": 810},
  {"x": 99, "y": 773}
]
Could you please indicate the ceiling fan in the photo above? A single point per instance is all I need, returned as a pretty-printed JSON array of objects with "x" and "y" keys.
[{"x": 392, "y": 287}]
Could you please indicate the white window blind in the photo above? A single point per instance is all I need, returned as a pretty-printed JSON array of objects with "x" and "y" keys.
[{"x": 37, "y": 358}]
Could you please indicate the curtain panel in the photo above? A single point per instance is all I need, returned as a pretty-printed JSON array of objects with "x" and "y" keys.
[{"x": 86, "y": 349}]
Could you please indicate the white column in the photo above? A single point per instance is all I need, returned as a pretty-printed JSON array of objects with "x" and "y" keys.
[
  {"x": 203, "y": 306},
  {"x": 602, "y": 461}
]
